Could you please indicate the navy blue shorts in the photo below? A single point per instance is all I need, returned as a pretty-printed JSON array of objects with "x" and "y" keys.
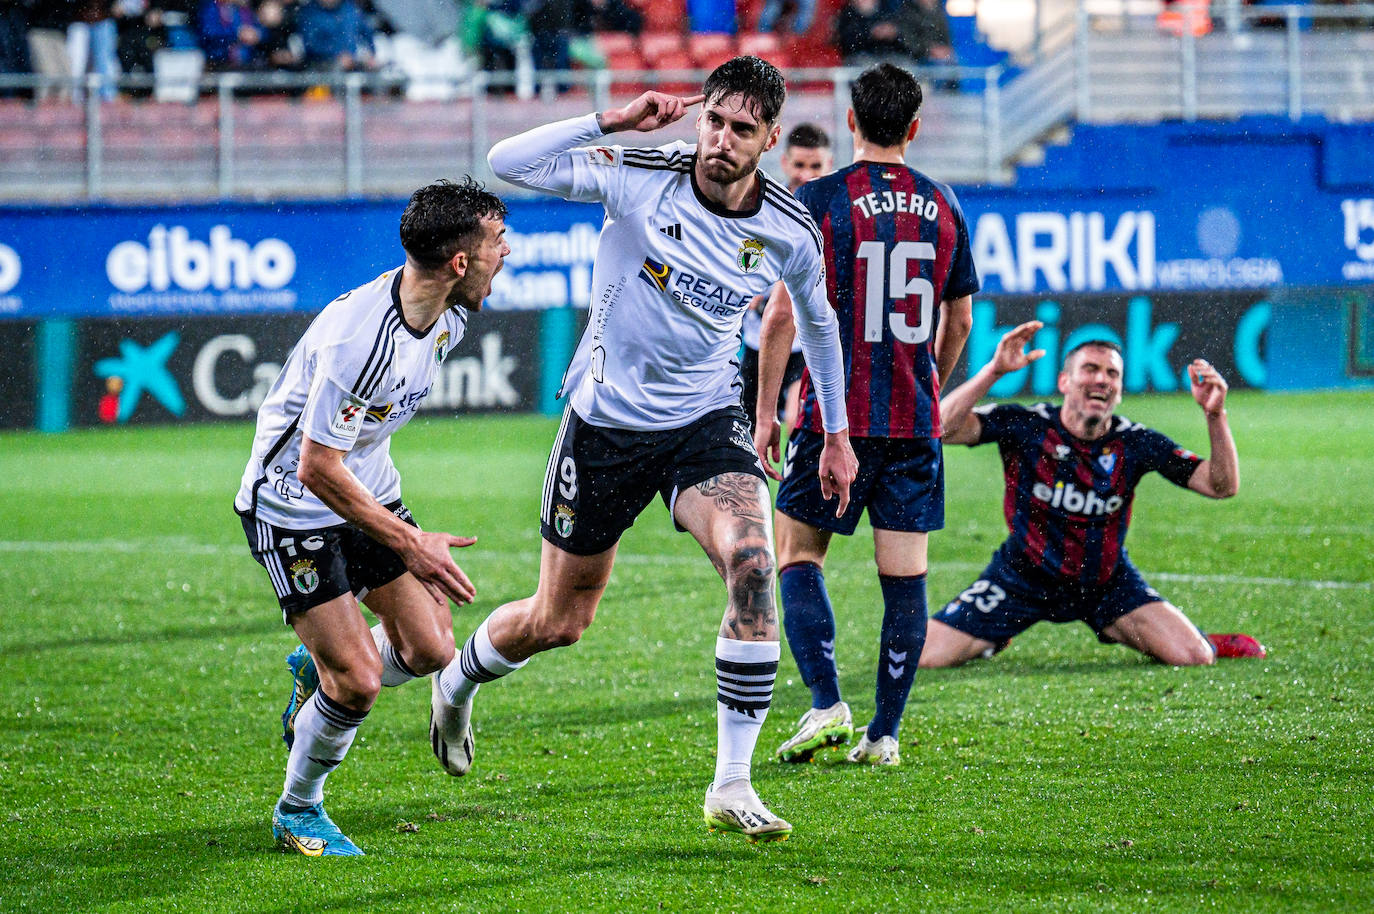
[
  {"x": 901, "y": 483},
  {"x": 1004, "y": 602}
]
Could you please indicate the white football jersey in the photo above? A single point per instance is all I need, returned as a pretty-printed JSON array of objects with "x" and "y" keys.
[
  {"x": 356, "y": 376},
  {"x": 673, "y": 276}
]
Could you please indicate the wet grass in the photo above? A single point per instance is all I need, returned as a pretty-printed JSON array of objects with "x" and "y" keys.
[{"x": 143, "y": 673}]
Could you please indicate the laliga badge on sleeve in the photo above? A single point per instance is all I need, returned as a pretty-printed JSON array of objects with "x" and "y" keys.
[
  {"x": 601, "y": 155},
  {"x": 348, "y": 418}
]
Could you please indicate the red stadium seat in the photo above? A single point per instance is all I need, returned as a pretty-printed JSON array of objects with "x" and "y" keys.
[
  {"x": 654, "y": 45},
  {"x": 675, "y": 60},
  {"x": 662, "y": 15},
  {"x": 613, "y": 43},
  {"x": 626, "y": 60},
  {"x": 768, "y": 46},
  {"x": 710, "y": 49},
  {"x": 760, "y": 44}
]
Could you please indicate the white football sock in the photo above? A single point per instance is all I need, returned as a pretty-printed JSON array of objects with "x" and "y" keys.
[
  {"x": 745, "y": 671},
  {"x": 324, "y": 731},
  {"x": 394, "y": 669},
  {"x": 477, "y": 662}
]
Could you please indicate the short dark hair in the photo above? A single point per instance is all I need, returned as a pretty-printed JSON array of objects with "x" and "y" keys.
[
  {"x": 442, "y": 217},
  {"x": 757, "y": 80},
  {"x": 1093, "y": 344},
  {"x": 808, "y": 136},
  {"x": 886, "y": 99}
]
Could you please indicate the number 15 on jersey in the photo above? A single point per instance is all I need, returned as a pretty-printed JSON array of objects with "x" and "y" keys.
[{"x": 887, "y": 280}]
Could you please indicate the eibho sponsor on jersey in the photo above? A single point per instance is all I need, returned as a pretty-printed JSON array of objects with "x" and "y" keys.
[
  {"x": 174, "y": 271},
  {"x": 1075, "y": 500}
]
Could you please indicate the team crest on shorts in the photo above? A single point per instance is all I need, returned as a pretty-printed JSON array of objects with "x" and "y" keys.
[
  {"x": 304, "y": 576},
  {"x": 563, "y": 520},
  {"x": 441, "y": 348},
  {"x": 750, "y": 255}
]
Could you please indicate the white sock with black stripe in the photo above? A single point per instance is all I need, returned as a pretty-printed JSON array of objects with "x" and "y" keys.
[
  {"x": 394, "y": 669},
  {"x": 324, "y": 731},
  {"x": 745, "y": 671},
  {"x": 479, "y": 661}
]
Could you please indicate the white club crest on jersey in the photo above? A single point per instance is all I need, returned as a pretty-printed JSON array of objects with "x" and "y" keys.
[{"x": 750, "y": 255}]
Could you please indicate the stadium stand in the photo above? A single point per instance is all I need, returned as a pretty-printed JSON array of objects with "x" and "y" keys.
[{"x": 206, "y": 138}]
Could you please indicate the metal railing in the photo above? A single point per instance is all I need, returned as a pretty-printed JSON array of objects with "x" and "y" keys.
[
  {"x": 357, "y": 135},
  {"x": 1291, "y": 60},
  {"x": 270, "y": 136}
]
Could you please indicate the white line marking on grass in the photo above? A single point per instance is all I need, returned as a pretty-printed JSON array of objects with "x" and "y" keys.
[
  {"x": 185, "y": 546},
  {"x": 1259, "y": 582}
]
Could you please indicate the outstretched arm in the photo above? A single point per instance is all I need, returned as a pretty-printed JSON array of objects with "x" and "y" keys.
[
  {"x": 536, "y": 158},
  {"x": 1219, "y": 475},
  {"x": 961, "y": 424}
]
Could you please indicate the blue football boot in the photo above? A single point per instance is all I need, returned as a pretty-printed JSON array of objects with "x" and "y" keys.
[
  {"x": 305, "y": 680},
  {"x": 311, "y": 832}
]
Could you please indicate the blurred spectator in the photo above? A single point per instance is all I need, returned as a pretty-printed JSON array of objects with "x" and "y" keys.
[
  {"x": 140, "y": 34},
  {"x": 335, "y": 35},
  {"x": 14, "y": 42},
  {"x": 606, "y": 16},
  {"x": 803, "y": 14},
  {"x": 549, "y": 22},
  {"x": 175, "y": 20},
  {"x": 277, "y": 45},
  {"x": 865, "y": 32},
  {"x": 92, "y": 43},
  {"x": 48, "y": 42},
  {"x": 229, "y": 34},
  {"x": 501, "y": 29},
  {"x": 923, "y": 29}
]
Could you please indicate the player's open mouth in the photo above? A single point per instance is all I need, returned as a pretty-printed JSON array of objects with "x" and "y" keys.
[{"x": 1099, "y": 397}]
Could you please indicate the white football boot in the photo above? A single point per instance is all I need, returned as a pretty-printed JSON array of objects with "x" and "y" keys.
[
  {"x": 818, "y": 728},
  {"x": 735, "y": 807},
  {"x": 450, "y": 731},
  {"x": 882, "y": 751}
]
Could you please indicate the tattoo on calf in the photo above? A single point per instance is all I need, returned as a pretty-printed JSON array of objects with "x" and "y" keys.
[{"x": 752, "y": 613}]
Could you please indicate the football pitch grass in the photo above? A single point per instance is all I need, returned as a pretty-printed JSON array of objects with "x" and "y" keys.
[{"x": 143, "y": 673}]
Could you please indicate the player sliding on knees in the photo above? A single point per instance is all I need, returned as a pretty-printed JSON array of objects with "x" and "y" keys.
[
  {"x": 321, "y": 499},
  {"x": 1071, "y": 475},
  {"x": 692, "y": 234}
]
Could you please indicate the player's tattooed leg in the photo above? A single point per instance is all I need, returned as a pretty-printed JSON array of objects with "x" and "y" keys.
[{"x": 747, "y": 566}]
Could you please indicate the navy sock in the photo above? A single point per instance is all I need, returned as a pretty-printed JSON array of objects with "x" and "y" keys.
[
  {"x": 810, "y": 625},
  {"x": 904, "y": 634}
]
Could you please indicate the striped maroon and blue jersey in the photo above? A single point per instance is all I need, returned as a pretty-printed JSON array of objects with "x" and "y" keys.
[
  {"x": 896, "y": 246},
  {"x": 1068, "y": 501}
]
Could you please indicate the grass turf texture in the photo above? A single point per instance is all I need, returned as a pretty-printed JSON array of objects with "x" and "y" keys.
[{"x": 140, "y": 748}]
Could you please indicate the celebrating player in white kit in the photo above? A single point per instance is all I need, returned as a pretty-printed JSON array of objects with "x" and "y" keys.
[
  {"x": 691, "y": 235},
  {"x": 321, "y": 500}
]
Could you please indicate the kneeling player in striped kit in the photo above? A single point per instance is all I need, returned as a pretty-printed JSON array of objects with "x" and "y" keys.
[{"x": 1070, "y": 475}]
